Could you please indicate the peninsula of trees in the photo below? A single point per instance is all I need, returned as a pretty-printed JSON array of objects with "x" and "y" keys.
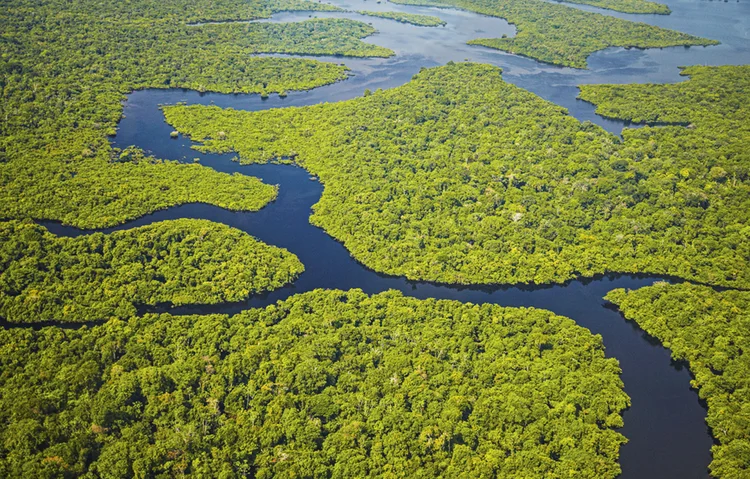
[
  {"x": 562, "y": 35},
  {"x": 626, "y": 6},
  {"x": 711, "y": 331},
  {"x": 101, "y": 276},
  {"x": 69, "y": 65},
  {"x": 459, "y": 177},
  {"x": 419, "y": 20}
]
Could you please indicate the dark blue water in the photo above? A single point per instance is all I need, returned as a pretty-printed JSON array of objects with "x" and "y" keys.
[{"x": 665, "y": 426}]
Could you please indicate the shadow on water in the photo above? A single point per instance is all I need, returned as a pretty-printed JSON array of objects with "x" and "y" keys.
[{"x": 668, "y": 437}]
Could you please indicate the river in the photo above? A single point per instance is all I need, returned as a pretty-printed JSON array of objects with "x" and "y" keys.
[{"x": 665, "y": 426}]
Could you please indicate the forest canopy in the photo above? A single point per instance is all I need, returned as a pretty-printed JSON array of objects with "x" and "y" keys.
[
  {"x": 100, "y": 276},
  {"x": 66, "y": 67},
  {"x": 700, "y": 164},
  {"x": 325, "y": 384},
  {"x": 562, "y": 35},
  {"x": 711, "y": 331},
  {"x": 455, "y": 177},
  {"x": 459, "y": 177}
]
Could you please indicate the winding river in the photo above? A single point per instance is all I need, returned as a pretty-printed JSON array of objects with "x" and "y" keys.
[{"x": 668, "y": 437}]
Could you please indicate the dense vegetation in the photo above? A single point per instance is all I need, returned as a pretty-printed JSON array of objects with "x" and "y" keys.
[
  {"x": 710, "y": 330},
  {"x": 626, "y": 6},
  {"x": 562, "y": 35},
  {"x": 326, "y": 36},
  {"x": 419, "y": 20},
  {"x": 90, "y": 192},
  {"x": 459, "y": 177},
  {"x": 44, "y": 277},
  {"x": 325, "y": 384},
  {"x": 65, "y": 67},
  {"x": 701, "y": 173},
  {"x": 173, "y": 11}
]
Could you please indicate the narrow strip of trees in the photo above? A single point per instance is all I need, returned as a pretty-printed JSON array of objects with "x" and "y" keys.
[{"x": 97, "y": 277}]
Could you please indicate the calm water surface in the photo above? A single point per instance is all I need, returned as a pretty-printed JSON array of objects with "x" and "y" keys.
[{"x": 665, "y": 426}]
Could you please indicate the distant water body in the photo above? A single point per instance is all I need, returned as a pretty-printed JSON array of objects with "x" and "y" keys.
[{"x": 668, "y": 437}]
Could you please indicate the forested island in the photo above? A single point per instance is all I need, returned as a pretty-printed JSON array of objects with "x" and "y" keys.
[
  {"x": 562, "y": 35},
  {"x": 626, "y": 6}
]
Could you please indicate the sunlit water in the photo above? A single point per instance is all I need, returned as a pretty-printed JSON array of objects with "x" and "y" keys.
[{"x": 665, "y": 426}]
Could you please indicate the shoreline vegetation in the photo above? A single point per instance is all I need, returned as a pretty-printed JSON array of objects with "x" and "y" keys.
[
  {"x": 63, "y": 87},
  {"x": 101, "y": 276},
  {"x": 411, "y": 18},
  {"x": 336, "y": 382},
  {"x": 625, "y": 6},
  {"x": 562, "y": 35},
  {"x": 458, "y": 177},
  {"x": 711, "y": 331}
]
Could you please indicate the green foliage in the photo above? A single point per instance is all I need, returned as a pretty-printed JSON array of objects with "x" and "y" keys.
[
  {"x": 419, "y": 20},
  {"x": 64, "y": 70},
  {"x": 562, "y": 35},
  {"x": 95, "y": 192},
  {"x": 712, "y": 94},
  {"x": 459, "y": 177},
  {"x": 626, "y": 6},
  {"x": 325, "y": 384},
  {"x": 175, "y": 11},
  {"x": 699, "y": 174},
  {"x": 44, "y": 277},
  {"x": 327, "y": 36},
  {"x": 710, "y": 330}
]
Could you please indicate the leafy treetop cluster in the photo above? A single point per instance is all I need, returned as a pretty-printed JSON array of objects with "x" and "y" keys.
[
  {"x": 562, "y": 35},
  {"x": 65, "y": 67},
  {"x": 325, "y": 384},
  {"x": 419, "y": 20},
  {"x": 459, "y": 177},
  {"x": 710, "y": 330},
  {"x": 99, "y": 276}
]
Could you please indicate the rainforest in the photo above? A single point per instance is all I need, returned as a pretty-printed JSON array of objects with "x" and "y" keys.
[
  {"x": 346, "y": 238},
  {"x": 458, "y": 177}
]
